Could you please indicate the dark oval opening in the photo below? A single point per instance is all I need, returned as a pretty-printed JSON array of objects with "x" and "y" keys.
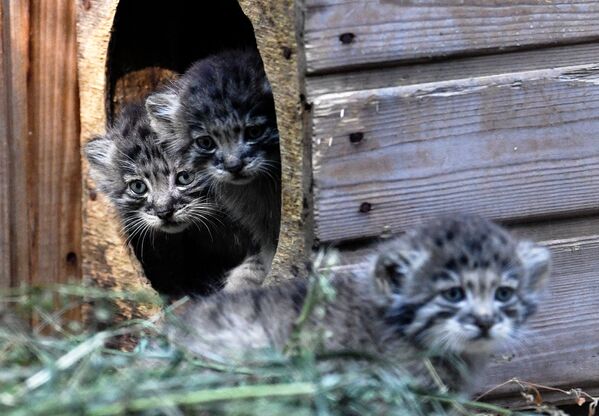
[{"x": 152, "y": 42}]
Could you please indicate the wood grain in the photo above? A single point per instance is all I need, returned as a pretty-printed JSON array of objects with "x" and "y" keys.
[
  {"x": 456, "y": 68},
  {"x": 53, "y": 105},
  {"x": 512, "y": 146},
  {"x": 5, "y": 243},
  {"x": 399, "y": 30},
  {"x": 15, "y": 50},
  {"x": 562, "y": 349}
]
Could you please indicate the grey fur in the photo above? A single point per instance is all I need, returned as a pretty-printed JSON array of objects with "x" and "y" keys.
[
  {"x": 223, "y": 99},
  {"x": 183, "y": 237},
  {"x": 399, "y": 309}
]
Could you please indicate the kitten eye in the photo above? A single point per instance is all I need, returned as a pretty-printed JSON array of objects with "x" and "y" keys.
[
  {"x": 184, "y": 178},
  {"x": 254, "y": 132},
  {"x": 454, "y": 294},
  {"x": 504, "y": 293},
  {"x": 138, "y": 187},
  {"x": 205, "y": 143}
]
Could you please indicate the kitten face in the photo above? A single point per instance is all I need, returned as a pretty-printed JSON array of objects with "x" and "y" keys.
[
  {"x": 463, "y": 285},
  {"x": 222, "y": 117},
  {"x": 152, "y": 192}
]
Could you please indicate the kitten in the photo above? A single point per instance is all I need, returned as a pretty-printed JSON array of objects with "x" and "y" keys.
[
  {"x": 183, "y": 239},
  {"x": 453, "y": 290},
  {"x": 221, "y": 117}
]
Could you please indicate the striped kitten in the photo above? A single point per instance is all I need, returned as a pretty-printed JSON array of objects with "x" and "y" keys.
[
  {"x": 220, "y": 115},
  {"x": 183, "y": 239},
  {"x": 453, "y": 290}
]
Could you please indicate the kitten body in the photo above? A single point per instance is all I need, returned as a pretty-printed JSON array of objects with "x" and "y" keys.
[
  {"x": 183, "y": 238},
  {"x": 220, "y": 116},
  {"x": 451, "y": 291}
]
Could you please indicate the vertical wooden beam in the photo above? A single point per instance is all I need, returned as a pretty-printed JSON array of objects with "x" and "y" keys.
[
  {"x": 55, "y": 187},
  {"x": 274, "y": 23},
  {"x": 40, "y": 170},
  {"x": 5, "y": 203},
  {"x": 16, "y": 139}
]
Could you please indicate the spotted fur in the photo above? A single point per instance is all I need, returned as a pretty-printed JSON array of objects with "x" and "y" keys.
[
  {"x": 221, "y": 117},
  {"x": 182, "y": 236},
  {"x": 404, "y": 309}
]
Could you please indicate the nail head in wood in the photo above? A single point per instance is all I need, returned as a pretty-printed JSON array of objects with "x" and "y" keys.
[
  {"x": 347, "y": 38},
  {"x": 365, "y": 207},
  {"x": 356, "y": 138},
  {"x": 71, "y": 259}
]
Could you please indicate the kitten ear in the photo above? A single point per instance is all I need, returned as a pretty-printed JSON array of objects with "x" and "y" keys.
[
  {"x": 395, "y": 265},
  {"x": 537, "y": 263},
  {"x": 162, "y": 108},
  {"x": 99, "y": 151}
]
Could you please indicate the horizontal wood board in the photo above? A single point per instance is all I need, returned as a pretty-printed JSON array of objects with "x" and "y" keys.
[
  {"x": 563, "y": 347},
  {"x": 402, "y": 30},
  {"x": 518, "y": 145},
  {"x": 452, "y": 69}
]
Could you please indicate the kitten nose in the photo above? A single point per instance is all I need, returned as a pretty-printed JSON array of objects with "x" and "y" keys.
[
  {"x": 484, "y": 323},
  {"x": 164, "y": 213},
  {"x": 233, "y": 164}
]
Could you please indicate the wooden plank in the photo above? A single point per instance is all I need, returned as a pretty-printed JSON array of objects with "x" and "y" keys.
[
  {"x": 55, "y": 188},
  {"x": 512, "y": 146},
  {"x": 5, "y": 246},
  {"x": 15, "y": 45},
  {"x": 347, "y": 33},
  {"x": 562, "y": 348},
  {"x": 457, "y": 68}
]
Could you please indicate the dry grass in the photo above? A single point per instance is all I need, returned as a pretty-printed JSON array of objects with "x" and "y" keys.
[{"x": 61, "y": 368}]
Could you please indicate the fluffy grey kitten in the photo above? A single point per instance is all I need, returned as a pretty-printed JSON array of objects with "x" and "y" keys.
[
  {"x": 184, "y": 240},
  {"x": 451, "y": 291},
  {"x": 220, "y": 116}
]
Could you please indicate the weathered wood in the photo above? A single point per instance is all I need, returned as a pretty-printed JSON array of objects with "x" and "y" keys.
[
  {"x": 55, "y": 191},
  {"x": 395, "y": 30},
  {"x": 15, "y": 47},
  {"x": 512, "y": 146},
  {"x": 457, "y": 68},
  {"x": 561, "y": 350},
  {"x": 5, "y": 243},
  {"x": 275, "y": 24}
]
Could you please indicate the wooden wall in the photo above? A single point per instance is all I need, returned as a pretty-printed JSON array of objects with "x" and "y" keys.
[
  {"x": 416, "y": 108},
  {"x": 420, "y": 108},
  {"x": 40, "y": 185}
]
